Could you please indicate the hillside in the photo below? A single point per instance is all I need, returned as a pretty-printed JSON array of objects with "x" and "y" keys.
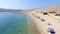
[
  {"x": 9, "y": 10},
  {"x": 55, "y": 8}
]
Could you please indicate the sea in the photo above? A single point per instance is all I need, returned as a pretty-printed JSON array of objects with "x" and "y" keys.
[{"x": 12, "y": 23}]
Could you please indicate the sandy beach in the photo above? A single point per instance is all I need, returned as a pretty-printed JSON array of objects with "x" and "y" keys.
[
  {"x": 45, "y": 21},
  {"x": 45, "y": 18},
  {"x": 39, "y": 28}
]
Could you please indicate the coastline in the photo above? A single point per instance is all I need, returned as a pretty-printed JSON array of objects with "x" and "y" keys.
[
  {"x": 42, "y": 26},
  {"x": 32, "y": 29},
  {"x": 36, "y": 24},
  {"x": 45, "y": 18}
]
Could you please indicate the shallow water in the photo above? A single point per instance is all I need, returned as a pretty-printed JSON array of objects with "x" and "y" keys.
[{"x": 11, "y": 23}]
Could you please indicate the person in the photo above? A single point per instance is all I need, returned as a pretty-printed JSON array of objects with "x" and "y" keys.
[{"x": 51, "y": 30}]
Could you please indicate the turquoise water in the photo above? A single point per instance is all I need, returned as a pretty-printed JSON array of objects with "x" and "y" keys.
[{"x": 11, "y": 23}]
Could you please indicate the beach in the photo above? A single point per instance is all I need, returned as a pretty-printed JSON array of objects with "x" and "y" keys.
[
  {"x": 43, "y": 22},
  {"x": 11, "y": 23},
  {"x": 45, "y": 18},
  {"x": 35, "y": 21}
]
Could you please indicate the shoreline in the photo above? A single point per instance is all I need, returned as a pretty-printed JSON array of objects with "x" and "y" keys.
[
  {"x": 43, "y": 25},
  {"x": 31, "y": 26},
  {"x": 36, "y": 24}
]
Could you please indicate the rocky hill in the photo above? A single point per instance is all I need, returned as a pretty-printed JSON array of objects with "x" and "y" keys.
[{"x": 55, "y": 8}]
